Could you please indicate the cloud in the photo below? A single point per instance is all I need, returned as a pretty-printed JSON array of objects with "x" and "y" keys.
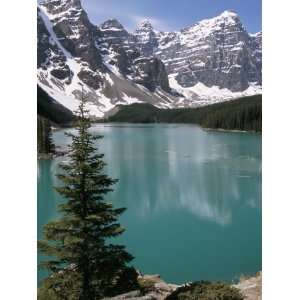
[{"x": 100, "y": 11}]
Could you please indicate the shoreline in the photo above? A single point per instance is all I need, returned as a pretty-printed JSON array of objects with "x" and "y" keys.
[
  {"x": 166, "y": 123},
  {"x": 48, "y": 156},
  {"x": 230, "y": 130},
  {"x": 154, "y": 287},
  {"x": 251, "y": 287},
  {"x": 178, "y": 124}
]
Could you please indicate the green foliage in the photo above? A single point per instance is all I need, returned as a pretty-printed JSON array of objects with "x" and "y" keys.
[
  {"x": 136, "y": 113},
  {"x": 44, "y": 136},
  {"x": 83, "y": 264},
  {"x": 246, "y": 115},
  {"x": 147, "y": 284},
  {"x": 206, "y": 291},
  {"x": 241, "y": 114}
]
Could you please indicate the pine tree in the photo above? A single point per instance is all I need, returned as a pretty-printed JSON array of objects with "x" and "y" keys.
[
  {"x": 83, "y": 265},
  {"x": 44, "y": 134},
  {"x": 50, "y": 147}
]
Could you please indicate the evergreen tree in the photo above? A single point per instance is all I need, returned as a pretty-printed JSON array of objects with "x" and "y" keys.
[
  {"x": 83, "y": 265},
  {"x": 44, "y": 136}
]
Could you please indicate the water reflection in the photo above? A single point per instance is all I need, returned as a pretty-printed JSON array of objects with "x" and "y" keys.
[
  {"x": 203, "y": 175},
  {"x": 195, "y": 194}
]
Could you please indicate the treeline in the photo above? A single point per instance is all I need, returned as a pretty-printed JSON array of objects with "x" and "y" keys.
[
  {"x": 45, "y": 143},
  {"x": 52, "y": 110},
  {"x": 240, "y": 114},
  {"x": 235, "y": 116},
  {"x": 49, "y": 112}
]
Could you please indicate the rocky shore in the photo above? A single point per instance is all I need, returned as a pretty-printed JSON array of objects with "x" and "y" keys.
[
  {"x": 155, "y": 288},
  {"x": 251, "y": 287},
  {"x": 152, "y": 288}
]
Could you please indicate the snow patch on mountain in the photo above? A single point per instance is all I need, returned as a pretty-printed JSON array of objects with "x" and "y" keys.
[
  {"x": 211, "y": 61},
  {"x": 200, "y": 94}
]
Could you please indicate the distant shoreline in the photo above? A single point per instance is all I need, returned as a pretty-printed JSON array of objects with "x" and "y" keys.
[
  {"x": 231, "y": 130},
  {"x": 48, "y": 156}
]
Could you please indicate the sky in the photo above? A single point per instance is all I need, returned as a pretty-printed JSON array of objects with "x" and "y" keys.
[{"x": 170, "y": 15}]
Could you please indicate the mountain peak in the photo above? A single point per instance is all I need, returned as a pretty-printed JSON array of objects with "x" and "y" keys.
[
  {"x": 256, "y": 35},
  {"x": 145, "y": 25},
  {"x": 206, "y": 26},
  {"x": 58, "y": 6},
  {"x": 111, "y": 24},
  {"x": 212, "y": 60},
  {"x": 60, "y": 2},
  {"x": 229, "y": 17},
  {"x": 229, "y": 13}
]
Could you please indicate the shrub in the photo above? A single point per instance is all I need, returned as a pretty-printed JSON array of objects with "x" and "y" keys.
[{"x": 206, "y": 291}]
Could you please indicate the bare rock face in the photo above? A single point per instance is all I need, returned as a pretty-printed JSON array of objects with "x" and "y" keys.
[
  {"x": 216, "y": 52},
  {"x": 74, "y": 30},
  {"x": 120, "y": 49},
  {"x": 151, "y": 73},
  {"x": 210, "y": 61},
  {"x": 154, "y": 288},
  {"x": 90, "y": 78},
  {"x": 49, "y": 53},
  {"x": 146, "y": 38},
  {"x": 103, "y": 60}
]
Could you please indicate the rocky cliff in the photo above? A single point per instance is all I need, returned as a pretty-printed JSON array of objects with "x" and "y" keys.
[{"x": 210, "y": 61}]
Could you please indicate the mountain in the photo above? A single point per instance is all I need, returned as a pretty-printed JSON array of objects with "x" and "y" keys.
[
  {"x": 213, "y": 60},
  {"x": 214, "y": 56},
  {"x": 74, "y": 54}
]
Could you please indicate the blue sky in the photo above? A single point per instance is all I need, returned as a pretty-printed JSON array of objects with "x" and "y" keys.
[{"x": 171, "y": 14}]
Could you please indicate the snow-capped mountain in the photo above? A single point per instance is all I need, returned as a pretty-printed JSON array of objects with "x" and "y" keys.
[
  {"x": 215, "y": 56},
  {"x": 75, "y": 54},
  {"x": 210, "y": 61}
]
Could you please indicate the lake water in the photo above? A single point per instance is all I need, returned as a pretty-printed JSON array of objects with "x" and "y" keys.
[{"x": 193, "y": 198}]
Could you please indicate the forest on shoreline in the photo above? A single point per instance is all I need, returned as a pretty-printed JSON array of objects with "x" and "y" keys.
[
  {"x": 243, "y": 114},
  {"x": 240, "y": 114}
]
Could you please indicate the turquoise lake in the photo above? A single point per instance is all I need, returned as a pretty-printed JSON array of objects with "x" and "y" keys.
[{"x": 193, "y": 198}]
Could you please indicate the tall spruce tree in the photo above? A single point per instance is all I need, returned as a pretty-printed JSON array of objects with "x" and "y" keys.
[
  {"x": 83, "y": 264},
  {"x": 44, "y": 136}
]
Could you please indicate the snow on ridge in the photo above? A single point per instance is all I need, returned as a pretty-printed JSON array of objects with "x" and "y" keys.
[
  {"x": 228, "y": 17},
  {"x": 111, "y": 29},
  {"x": 66, "y": 96},
  {"x": 205, "y": 27},
  {"x": 255, "y": 35},
  {"x": 109, "y": 80},
  {"x": 145, "y": 24},
  {"x": 202, "y": 95},
  {"x": 197, "y": 95},
  {"x": 74, "y": 66},
  {"x": 191, "y": 35},
  {"x": 66, "y": 9},
  {"x": 130, "y": 100},
  {"x": 229, "y": 13},
  {"x": 43, "y": 13}
]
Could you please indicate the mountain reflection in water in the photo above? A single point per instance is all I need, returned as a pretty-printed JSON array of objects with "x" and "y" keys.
[{"x": 193, "y": 198}]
